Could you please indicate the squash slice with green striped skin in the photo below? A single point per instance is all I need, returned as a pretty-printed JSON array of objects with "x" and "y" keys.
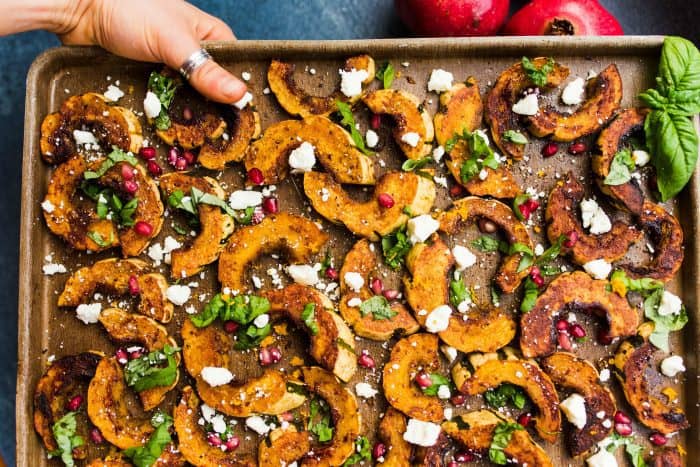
[
  {"x": 391, "y": 429},
  {"x": 475, "y": 431},
  {"x": 344, "y": 412},
  {"x": 298, "y": 237},
  {"x": 62, "y": 381},
  {"x": 283, "y": 447},
  {"x": 577, "y": 291},
  {"x": 111, "y": 276},
  {"x": 296, "y": 101},
  {"x": 472, "y": 208},
  {"x": 603, "y": 97},
  {"x": 402, "y": 393},
  {"x": 530, "y": 377},
  {"x": 333, "y": 147},
  {"x": 409, "y": 117},
  {"x": 128, "y": 328},
  {"x": 242, "y": 126},
  {"x": 216, "y": 225},
  {"x": 112, "y": 125},
  {"x": 211, "y": 347},
  {"x": 369, "y": 219},
  {"x": 333, "y": 346},
  {"x": 192, "y": 440},
  {"x": 581, "y": 377},
  {"x": 486, "y": 329},
  {"x": 364, "y": 260}
]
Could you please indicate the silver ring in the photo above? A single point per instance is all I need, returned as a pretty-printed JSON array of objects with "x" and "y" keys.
[{"x": 194, "y": 61}]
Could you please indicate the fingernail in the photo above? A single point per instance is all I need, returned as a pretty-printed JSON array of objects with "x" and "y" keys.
[{"x": 233, "y": 88}]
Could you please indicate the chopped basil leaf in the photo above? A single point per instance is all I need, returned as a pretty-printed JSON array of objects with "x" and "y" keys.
[
  {"x": 385, "y": 74},
  {"x": 146, "y": 372},
  {"x": 308, "y": 317},
  {"x": 517, "y": 201},
  {"x": 147, "y": 455},
  {"x": 97, "y": 238},
  {"x": 551, "y": 253},
  {"x": 348, "y": 121},
  {"x": 514, "y": 137},
  {"x": 634, "y": 451},
  {"x": 343, "y": 344},
  {"x": 117, "y": 155},
  {"x": 66, "y": 439},
  {"x": 501, "y": 438},
  {"x": 495, "y": 296},
  {"x": 644, "y": 285},
  {"x": 189, "y": 204},
  {"x": 537, "y": 75},
  {"x": 395, "y": 247},
  {"x": 531, "y": 291},
  {"x": 479, "y": 154},
  {"x": 663, "y": 324},
  {"x": 505, "y": 394},
  {"x": 164, "y": 88},
  {"x": 250, "y": 336},
  {"x": 363, "y": 451},
  {"x": 326, "y": 263},
  {"x": 437, "y": 380},
  {"x": 486, "y": 244},
  {"x": 320, "y": 420},
  {"x": 378, "y": 306},
  {"x": 458, "y": 292},
  {"x": 179, "y": 229},
  {"x": 621, "y": 168},
  {"x": 410, "y": 165}
]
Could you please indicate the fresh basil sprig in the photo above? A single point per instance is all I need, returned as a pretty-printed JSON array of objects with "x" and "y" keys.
[
  {"x": 663, "y": 324},
  {"x": 501, "y": 437},
  {"x": 514, "y": 137},
  {"x": 505, "y": 394},
  {"x": 386, "y": 74},
  {"x": 436, "y": 381},
  {"x": 348, "y": 121},
  {"x": 670, "y": 134},
  {"x": 146, "y": 372},
  {"x": 395, "y": 247},
  {"x": 479, "y": 154},
  {"x": 634, "y": 451},
  {"x": 378, "y": 306},
  {"x": 320, "y": 420},
  {"x": 189, "y": 204},
  {"x": 164, "y": 88}
]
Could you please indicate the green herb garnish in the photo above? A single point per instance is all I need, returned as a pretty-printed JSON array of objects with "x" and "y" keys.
[
  {"x": 437, "y": 380},
  {"x": 117, "y": 155},
  {"x": 378, "y": 306},
  {"x": 663, "y": 324},
  {"x": 514, "y": 137},
  {"x": 385, "y": 74},
  {"x": 147, "y": 455},
  {"x": 66, "y": 439},
  {"x": 164, "y": 88},
  {"x": 501, "y": 438},
  {"x": 97, "y": 238},
  {"x": 363, "y": 451},
  {"x": 505, "y": 394},
  {"x": 458, "y": 292},
  {"x": 480, "y": 155},
  {"x": 146, "y": 372},
  {"x": 395, "y": 247},
  {"x": 348, "y": 121},
  {"x": 538, "y": 75},
  {"x": 309, "y": 318},
  {"x": 320, "y": 420},
  {"x": 531, "y": 291},
  {"x": 621, "y": 168},
  {"x": 410, "y": 165},
  {"x": 634, "y": 451}
]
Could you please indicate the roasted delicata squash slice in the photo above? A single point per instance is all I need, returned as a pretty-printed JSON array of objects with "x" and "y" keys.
[
  {"x": 562, "y": 218},
  {"x": 408, "y": 356},
  {"x": 242, "y": 126},
  {"x": 578, "y": 291},
  {"x": 581, "y": 377},
  {"x": 461, "y": 109},
  {"x": 211, "y": 347},
  {"x": 472, "y": 208},
  {"x": 603, "y": 96},
  {"x": 112, "y": 125},
  {"x": 55, "y": 388},
  {"x": 333, "y": 344},
  {"x": 368, "y": 218},
  {"x": 283, "y": 447},
  {"x": 666, "y": 232},
  {"x": 344, "y": 413},
  {"x": 296, "y": 236},
  {"x": 128, "y": 328},
  {"x": 108, "y": 409},
  {"x": 627, "y": 123},
  {"x": 527, "y": 375},
  {"x": 216, "y": 225},
  {"x": 475, "y": 431},
  {"x": 296, "y": 101},
  {"x": 192, "y": 442},
  {"x": 486, "y": 329},
  {"x": 409, "y": 119},
  {"x": 333, "y": 147},
  {"x": 364, "y": 260},
  {"x": 507, "y": 91},
  {"x": 637, "y": 372},
  {"x": 112, "y": 276},
  {"x": 391, "y": 430}
]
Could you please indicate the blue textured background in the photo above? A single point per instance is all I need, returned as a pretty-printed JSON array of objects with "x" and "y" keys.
[{"x": 250, "y": 19}]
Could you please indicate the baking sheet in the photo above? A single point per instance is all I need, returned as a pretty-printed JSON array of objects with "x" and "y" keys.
[{"x": 45, "y": 330}]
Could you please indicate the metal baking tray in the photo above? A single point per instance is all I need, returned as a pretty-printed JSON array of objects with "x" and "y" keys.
[{"x": 45, "y": 330}]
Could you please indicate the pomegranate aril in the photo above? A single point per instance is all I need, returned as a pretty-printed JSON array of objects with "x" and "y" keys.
[
  {"x": 391, "y": 294},
  {"x": 465, "y": 457},
  {"x": 143, "y": 228},
  {"x": 577, "y": 331},
  {"x": 153, "y": 168},
  {"x": 214, "y": 439},
  {"x": 379, "y": 450},
  {"x": 549, "y": 149},
  {"x": 604, "y": 337},
  {"x": 458, "y": 399},
  {"x": 623, "y": 418},
  {"x": 332, "y": 273},
  {"x": 96, "y": 436},
  {"x": 75, "y": 403},
  {"x": 385, "y": 200},
  {"x": 130, "y": 186},
  {"x": 127, "y": 172},
  {"x": 189, "y": 157},
  {"x": 535, "y": 271},
  {"x": 423, "y": 380},
  {"x": 623, "y": 429},
  {"x": 180, "y": 163},
  {"x": 122, "y": 355},
  {"x": 270, "y": 356},
  {"x": 538, "y": 280},
  {"x": 258, "y": 215},
  {"x": 456, "y": 190},
  {"x": 453, "y": 464},
  {"x": 270, "y": 205},
  {"x": 375, "y": 121},
  {"x": 147, "y": 152},
  {"x": 287, "y": 416},
  {"x": 187, "y": 113},
  {"x": 133, "y": 355},
  {"x": 577, "y": 148},
  {"x": 173, "y": 155},
  {"x": 230, "y": 326},
  {"x": 487, "y": 226},
  {"x": 564, "y": 341},
  {"x": 377, "y": 286},
  {"x": 255, "y": 176},
  {"x": 134, "y": 288},
  {"x": 232, "y": 443},
  {"x": 525, "y": 419},
  {"x": 571, "y": 239},
  {"x": 365, "y": 360},
  {"x": 562, "y": 325},
  {"x": 657, "y": 439}
]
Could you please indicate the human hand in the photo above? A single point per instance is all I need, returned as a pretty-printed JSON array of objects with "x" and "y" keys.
[{"x": 167, "y": 31}]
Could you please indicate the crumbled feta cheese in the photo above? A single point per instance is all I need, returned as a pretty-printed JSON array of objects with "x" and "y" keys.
[
  {"x": 463, "y": 257},
  {"x": 527, "y": 105},
  {"x": 48, "y": 206},
  {"x": 602, "y": 458},
  {"x": 573, "y": 92},
  {"x": 245, "y": 76},
  {"x": 241, "y": 199},
  {"x": 354, "y": 280},
  {"x": 354, "y": 302},
  {"x": 372, "y": 138},
  {"x": 671, "y": 366},
  {"x": 257, "y": 424},
  {"x": 351, "y": 81},
  {"x": 439, "y": 319},
  {"x": 365, "y": 390},
  {"x": 438, "y": 153},
  {"x": 539, "y": 249},
  {"x": 449, "y": 352},
  {"x": 261, "y": 321},
  {"x": 420, "y": 228},
  {"x": 84, "y": 137},
  {"x": 88, "y": 313},
  {"x": 604, "y": 375},
  {"x": 155, "y": 252},
  {"x": 483, "y": 174},
  {"x": 303, "y": 158},
  {"x": 218, "y": 424},
  {"x": 447, "y": 413},
  {"x": 464, "y": 305},
  {"x": 670, "y": 304},
  {"x": 640, "y": 157},
  {"x": 243, "y": 101},
  {"x": 598, "y": 268},
  {"x": 421, "y": 433},
  {"x": 151, "y": 105},
  {"x": 170, "y": 244},
  {"x": 303, "y": 274},
  {"x": 53, "y": 268},
  {"x": 444, "y": 392},
  {"x": 216, "y": 376},
  {"x": 411, "y": 138},
  {"x": 594, "y": 218},
  {"x": 440, "y": 81},
  {"x": 178, "y": 294},
  {"x": 574, "y": 407},
  {"x": 207, "y": 412},
  {"x": 113, "y": 93}
]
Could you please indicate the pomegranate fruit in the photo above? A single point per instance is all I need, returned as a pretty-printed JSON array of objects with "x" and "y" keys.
[
  {"x": 453, "y": 17},
  {"x": 563, "y": 18}
]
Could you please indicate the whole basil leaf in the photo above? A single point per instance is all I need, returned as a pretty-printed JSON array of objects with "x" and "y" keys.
[
  {"x": 683, "y": 103},
  {"x": 679, "y": 67},
  {"x": 676, "y": 151}
]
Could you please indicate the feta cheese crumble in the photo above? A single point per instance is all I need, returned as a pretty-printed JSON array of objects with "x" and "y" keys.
[
  {"x": 113, "y": 93},
  {"x": 48, "y": 206},
  {"x": 574, "y": 407},
  {"x": 365, "y": 390},
  {"x": 598, "y": 268},
  {"x": 84, "y": 137},
  {"x": 50, "y": 269},
  {"x": 439, "y": 319},
  {"x": 151, "y": 105},
  {"x": 216, "y": 376},
  {"x": 354, "y": 280},
  {"x": 438, "y": 153},
  {"x": 420, "y": 228},
  {"x": 88, "y": 313},
  {"x": 371, "y": 138},
  {"x": 440, "y": 80},
  {"x": 604, "y": 375},
  {"x": 303, "y": 158},
  {"x": 411, "y": 138},
  {"x": 640, "y": 157},
  {"x": 527, "y": 105},
  {"x": 351, "y": 81},
  {"x": 421, "y": 433},
  {"x": 602, "y": 458},
  {"x": 573, "y": 92},
  {"x": 257, "y": 424},
  {"x": 241, "y": 199},
  {"x": 261, "y": 321},
  {"x": 671, "y": 366},
  {"x": 243, "y": 101},
  {"x": 463, "y": 257},
  {"x": 444, "y": 392},
  {"x": 594, "y": 218},
  {"x": 303, "y": 274},
  {"x": 178, "y": 294},
  {"x": 670, "y": 304}
]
